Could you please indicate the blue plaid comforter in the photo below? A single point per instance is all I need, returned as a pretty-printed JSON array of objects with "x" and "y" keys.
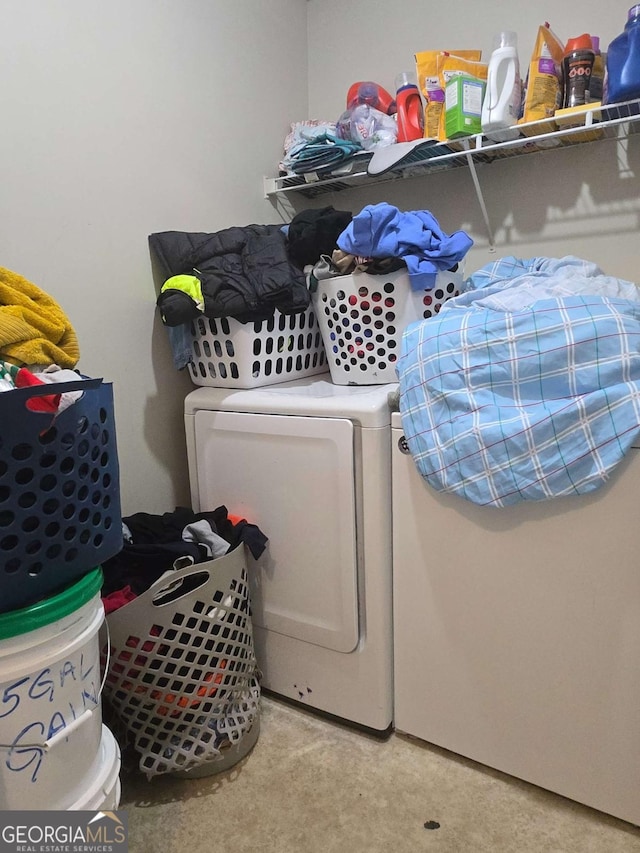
[{"x": 527, "y": 385}]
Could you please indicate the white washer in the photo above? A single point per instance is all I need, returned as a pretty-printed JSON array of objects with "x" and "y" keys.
[
  {"x": 309, "y": 463},
  {"x": 517, "y": 632}
]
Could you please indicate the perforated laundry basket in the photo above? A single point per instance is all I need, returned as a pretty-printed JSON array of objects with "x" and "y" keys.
[
  {"x": 183, "y": 678},
  {"x": 230, "y": 354},
  {"x": 362, "y": 318},
  {"x": 59, "y": 490}
]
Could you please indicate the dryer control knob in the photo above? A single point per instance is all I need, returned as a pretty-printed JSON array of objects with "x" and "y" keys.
[{"x": 402, "y": 444}]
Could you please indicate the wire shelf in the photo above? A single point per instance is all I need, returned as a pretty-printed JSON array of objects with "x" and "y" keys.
[{"x": 594, "y": 124}]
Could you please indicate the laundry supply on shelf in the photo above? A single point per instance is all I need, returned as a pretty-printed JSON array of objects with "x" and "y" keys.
[
  {"x": 543, "y": 84},
  {"x": 502, "y": 101},
  {"x": 622, "y": 77},
  {"x": 577, "y": 65},
  {"x": 462, "y": 99},
  {"x": 464, "y": 89},
  {"x": 372, "y": 95},
  {"x": 597, "y": 72},
  {"x": 410, "y": 114},
  {"x": 431, "y": 83}
]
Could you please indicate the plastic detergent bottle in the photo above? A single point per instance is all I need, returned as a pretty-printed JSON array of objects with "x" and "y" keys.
[
  {"x": 503, "y": 95},
  {"x": 577, "y": 66},
  {"x": 410, "y": 114},
  {"x": 622, "y": 77},
  {"x": 597, "y": 72},
  {"x": 372, "y": 94}
]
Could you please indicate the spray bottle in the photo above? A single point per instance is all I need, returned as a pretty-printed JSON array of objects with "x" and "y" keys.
[{"x": 503, "y": 96}]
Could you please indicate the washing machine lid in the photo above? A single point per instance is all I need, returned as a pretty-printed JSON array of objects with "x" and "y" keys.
[{"x": 366, "y": 405}]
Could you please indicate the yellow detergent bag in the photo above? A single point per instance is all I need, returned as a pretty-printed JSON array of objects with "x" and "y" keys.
[
  {"x": 430, "y": 83},
  {"x": 543, "y": 88}
]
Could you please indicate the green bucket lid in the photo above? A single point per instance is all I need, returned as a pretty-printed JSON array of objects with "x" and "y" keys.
[{"x": 51, "y": 609}]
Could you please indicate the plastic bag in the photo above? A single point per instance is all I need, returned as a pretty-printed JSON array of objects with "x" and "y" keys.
[{"x": 368, "y": 126}]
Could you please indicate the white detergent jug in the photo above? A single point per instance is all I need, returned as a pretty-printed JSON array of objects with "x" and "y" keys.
[{"x": 503, "y": 94}]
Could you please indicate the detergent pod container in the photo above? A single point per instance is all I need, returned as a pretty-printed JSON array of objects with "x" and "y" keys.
[
  {"x": 372, "y": 95},
  {"x": 503, "y": 95},
  {"x": 409, "y": 111},
  {"x": 577, "y": 66},
  {"x": 622, "y": 76}
]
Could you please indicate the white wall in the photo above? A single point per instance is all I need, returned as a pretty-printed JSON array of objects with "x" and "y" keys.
[
  {"x": 119, "y": 119},
  {"x": 579, "y": 201},
  {"x": 125, "y": 118}
]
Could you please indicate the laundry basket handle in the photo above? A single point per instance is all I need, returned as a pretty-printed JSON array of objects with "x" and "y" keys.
[
  {"x": 169, "y": 585},
  {"x": 49, "y": 389}
]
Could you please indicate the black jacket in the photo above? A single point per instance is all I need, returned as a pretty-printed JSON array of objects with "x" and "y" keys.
[{"x": 245, "y": 273}]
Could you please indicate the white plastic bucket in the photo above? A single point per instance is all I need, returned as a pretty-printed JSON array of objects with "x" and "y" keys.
[
  {"x": 103, "y": 792},
  {"x": 50, "y": 706}
]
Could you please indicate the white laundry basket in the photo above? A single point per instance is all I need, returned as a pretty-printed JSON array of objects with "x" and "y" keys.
[
  {"x": 183, "y": 678},
  {"x": 362, "y": 318},
  {"x": 228, "y": 354}
]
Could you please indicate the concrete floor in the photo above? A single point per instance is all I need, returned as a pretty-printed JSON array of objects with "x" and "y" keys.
[{"x": 315, "y": 786}]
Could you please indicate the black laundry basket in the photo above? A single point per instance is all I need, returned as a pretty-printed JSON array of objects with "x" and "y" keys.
[{"x": 59, "y": 490}]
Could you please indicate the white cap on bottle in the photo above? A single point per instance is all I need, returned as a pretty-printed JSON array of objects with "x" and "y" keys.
[{"x": 507, "y": 38}]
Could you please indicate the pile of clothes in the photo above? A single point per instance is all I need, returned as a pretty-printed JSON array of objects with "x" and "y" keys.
[
  {"x": 34, "y": 330},
  {"x": 316, "y": 146},
  {"x": 182, "y": 699},
  {"x": 38, "y": 345},
  {"x": 154, "y": 545},
  {"x": 249, "y": 272},
  {"x": 527, "y": 385}
]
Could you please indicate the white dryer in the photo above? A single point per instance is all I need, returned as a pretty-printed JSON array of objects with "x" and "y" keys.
[
  {"x": 309, "y": 463},
  {"x": 517, "y": 632}
]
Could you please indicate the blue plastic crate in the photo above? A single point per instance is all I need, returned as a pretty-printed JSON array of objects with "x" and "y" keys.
[{"x": 59, "y": 490}]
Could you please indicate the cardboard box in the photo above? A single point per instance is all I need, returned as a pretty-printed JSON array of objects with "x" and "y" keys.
[{"x": 463, "y": 105}]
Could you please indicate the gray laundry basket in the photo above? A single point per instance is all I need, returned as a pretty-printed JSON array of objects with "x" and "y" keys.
[{"x": 182, "y": 677}]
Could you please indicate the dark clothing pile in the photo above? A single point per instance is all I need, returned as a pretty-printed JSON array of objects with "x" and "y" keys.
[
  {"x": 314, "y": 233},
  {"x": 245, "y": 273},
  {"x": 155, "y": 544}
]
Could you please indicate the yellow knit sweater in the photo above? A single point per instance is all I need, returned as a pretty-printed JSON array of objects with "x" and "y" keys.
[{"x": 33, "y": 327}]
